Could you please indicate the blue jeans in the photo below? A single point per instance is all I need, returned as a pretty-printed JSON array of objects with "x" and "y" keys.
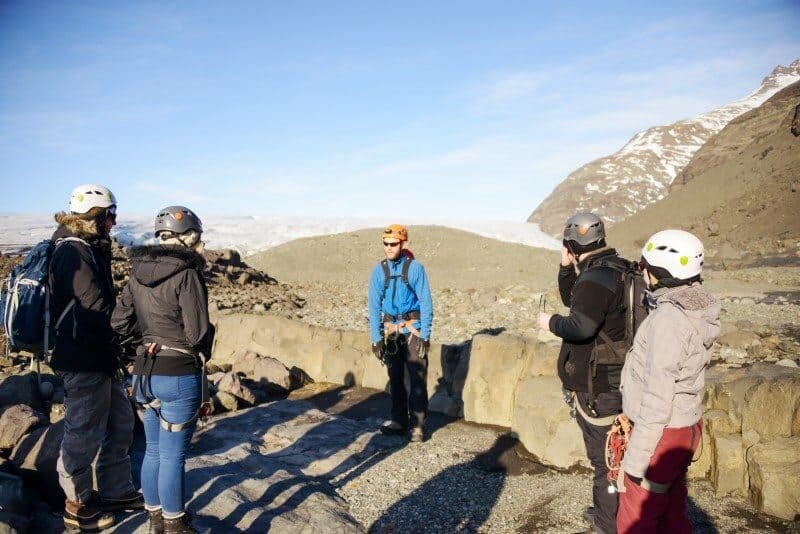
[{"x": 165, "y": 454}]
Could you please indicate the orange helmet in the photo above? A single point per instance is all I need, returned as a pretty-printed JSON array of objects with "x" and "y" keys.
[{"x": 396, "y": 231}]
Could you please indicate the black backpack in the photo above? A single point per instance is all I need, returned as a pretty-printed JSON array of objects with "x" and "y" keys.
[{"x": 634, "y": 303}]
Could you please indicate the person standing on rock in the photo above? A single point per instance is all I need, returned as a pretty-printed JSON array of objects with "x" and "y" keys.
[
  {"x": 663, "y": 384},
  {"x": 98, "y": 419},
  {"x": 400, "y": 318},
  {"x": 595, "y": 296},
  {"x": 164, "y": 307}
]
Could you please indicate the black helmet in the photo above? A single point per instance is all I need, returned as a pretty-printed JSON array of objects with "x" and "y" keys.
[
  {"x": 584, "y": 232},
  {"x": 178, "y": 220}
]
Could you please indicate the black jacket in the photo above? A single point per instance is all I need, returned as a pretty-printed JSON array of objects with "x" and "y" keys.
[
  {"x": 165, "y": 302},
  {"x": 595, "y": 300},
  {"x": 82, "y": 274}
]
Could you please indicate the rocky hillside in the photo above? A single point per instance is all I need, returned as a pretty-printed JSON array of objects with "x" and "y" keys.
[
  {"x": 740, "y": 193},
  {"x": 641, "y": 172},
  {"x": 232, "y": 284}
]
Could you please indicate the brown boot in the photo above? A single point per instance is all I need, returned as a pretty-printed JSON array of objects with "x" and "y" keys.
[
  {"x": 156, "y": 522},
  {"x": 86, "y": 516},
  {"x": 179, "y": 525}
]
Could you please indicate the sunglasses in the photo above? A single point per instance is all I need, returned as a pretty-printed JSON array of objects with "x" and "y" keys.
[{"x": 385, "y": 244}]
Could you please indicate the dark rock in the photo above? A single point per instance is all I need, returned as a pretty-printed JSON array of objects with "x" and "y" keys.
[{"x": 21, "y": 388}]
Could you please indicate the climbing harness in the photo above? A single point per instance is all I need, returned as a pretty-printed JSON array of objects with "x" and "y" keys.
[
  {"x": 390, "y": 326},
  {"x": 142, "y": 383}
]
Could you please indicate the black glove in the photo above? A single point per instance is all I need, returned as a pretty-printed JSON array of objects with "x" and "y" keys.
[{"x": 377, "y": 349}]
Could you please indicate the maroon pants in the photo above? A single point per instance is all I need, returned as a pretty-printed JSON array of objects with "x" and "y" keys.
[{"x": 645, "y": 511}]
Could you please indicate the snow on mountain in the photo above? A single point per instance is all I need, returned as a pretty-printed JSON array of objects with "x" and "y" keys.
[
  {"x": 255, "y": 233},
  {"x": 641, "y": 172}
]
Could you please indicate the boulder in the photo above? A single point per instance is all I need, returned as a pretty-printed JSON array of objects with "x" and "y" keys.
[
  {"x": 727, "y": 470},
  {"x": 704, "y": 458},
  {"x": 17, "y": 421},
  {"x": 774, "y": 470},
  {"x": 231, "y": 383},
  {"x": 771, "y": 407},
  {"x": 224, "y": 402},
  {"x": 20, "y": 388},
  {"x": 732, "y": 385},
  {"x": 542, "y": 420},
  {"x": 268, "y": 371},
  {"x": 739, "y": 339},
  {"x": 35, "y": 457},
  {"x": 720, "y": 421},
  {"x": 495, "y": 366}
]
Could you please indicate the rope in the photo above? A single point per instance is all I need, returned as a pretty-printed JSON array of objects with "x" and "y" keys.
[{"x": 616, "y": 443}]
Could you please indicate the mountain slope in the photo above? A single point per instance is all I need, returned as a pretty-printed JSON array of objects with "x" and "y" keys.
[
  {"x": 741, "y": 191},
  {"x": 641, "y": 172}
]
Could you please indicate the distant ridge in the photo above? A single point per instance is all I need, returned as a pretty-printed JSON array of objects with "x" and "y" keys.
[{"x": 641, "y": 172}]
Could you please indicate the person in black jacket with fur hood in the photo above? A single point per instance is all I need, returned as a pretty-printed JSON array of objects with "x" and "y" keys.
[
  {"x": 595, "y": 296},
  {"x": 98, "y": 419},
  {"x": 164, "y": 309}
]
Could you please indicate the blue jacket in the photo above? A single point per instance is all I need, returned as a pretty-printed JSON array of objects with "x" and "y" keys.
[{"x": 399, "y": 297}]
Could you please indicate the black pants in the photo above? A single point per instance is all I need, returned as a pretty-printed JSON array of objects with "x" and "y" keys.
[
  {"x": 594, "y": 437},
  {"x": 404, "y": 353}
]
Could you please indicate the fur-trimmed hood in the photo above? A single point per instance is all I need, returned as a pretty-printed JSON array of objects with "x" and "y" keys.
[
  {"x": 151, "y": 265},
  {"x": 78, "y": 226}
]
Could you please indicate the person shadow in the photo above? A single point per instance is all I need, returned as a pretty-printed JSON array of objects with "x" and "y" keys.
[
  {"x": 262, "y": 486},
  {"x": 449, "y": 501}
]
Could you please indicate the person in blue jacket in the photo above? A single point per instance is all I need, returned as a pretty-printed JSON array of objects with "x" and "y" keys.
[{"x": 400, "y": 318}]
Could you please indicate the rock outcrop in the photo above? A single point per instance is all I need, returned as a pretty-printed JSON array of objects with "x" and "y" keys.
[{"x": 508, "y": 380}]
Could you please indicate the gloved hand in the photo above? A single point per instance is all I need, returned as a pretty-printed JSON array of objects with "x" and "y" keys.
[
  {"x": 377, "y": 349},
  {"x": 424, "y": 346}
]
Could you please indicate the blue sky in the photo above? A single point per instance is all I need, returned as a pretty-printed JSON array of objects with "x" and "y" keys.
[{"x": 406, "y": 109}]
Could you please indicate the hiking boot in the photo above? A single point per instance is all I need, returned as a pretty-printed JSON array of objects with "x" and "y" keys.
[
  {"x": 86, "y": 516},
  {"x": 393, "y": 428},
  {"x": 132, "y": 500},
  {"x": 155, "y": 522},
  {"x": 179, "y": 525},
  {"x": 417, "y": 434}
]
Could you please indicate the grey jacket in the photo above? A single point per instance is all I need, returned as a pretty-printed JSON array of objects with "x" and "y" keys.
[{"x": 664, "y": 374}]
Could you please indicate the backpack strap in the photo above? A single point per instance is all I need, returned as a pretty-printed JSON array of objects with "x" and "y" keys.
[
  {"x": 404, "y": 274},
  {"x": 387, "y": 275}
]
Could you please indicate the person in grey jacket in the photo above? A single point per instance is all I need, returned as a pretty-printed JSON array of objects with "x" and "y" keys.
[
  {"x": 164, "y": 309},
  {"x": 662, "y": 385}
]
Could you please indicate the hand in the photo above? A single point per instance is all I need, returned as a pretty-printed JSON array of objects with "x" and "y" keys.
[
  {"x": 567, "y": 257},
  {"x": 206, "y": 409},
  {"x": 377, "y": 349},
  {"x": 543, "y": 321},
  {"x": 424, "y": 347}
]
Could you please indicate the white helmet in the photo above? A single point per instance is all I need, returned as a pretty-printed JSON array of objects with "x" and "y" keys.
[
  {"x": 677, "y": 251},
  {"x": 88, "y": 196}
]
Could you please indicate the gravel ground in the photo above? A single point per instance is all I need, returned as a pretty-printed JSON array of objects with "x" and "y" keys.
[{"x": 454, "y": 483}]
